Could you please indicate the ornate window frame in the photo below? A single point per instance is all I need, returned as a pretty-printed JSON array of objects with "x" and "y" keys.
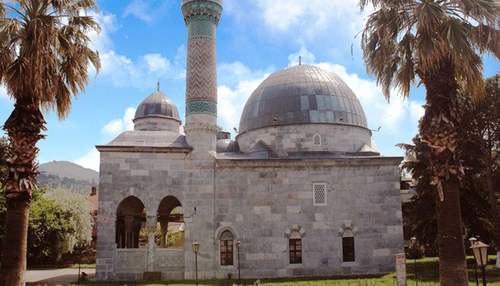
[
  {"x": 347, "y": 233},
  {"x": 295, "y": 235}
]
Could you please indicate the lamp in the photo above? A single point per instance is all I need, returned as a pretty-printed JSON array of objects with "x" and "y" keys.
[
  {"x": 238, "y": 245},
  {"x": 473, "y": 240},
  {"x": 196, "y": 247},
  {"x": 480, "y": 251}
]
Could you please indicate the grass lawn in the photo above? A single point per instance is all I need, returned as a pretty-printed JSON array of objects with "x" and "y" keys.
[{"x": 427, "y": 270}]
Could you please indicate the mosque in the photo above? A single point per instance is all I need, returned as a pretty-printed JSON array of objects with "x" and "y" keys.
[{"x": 301, "y": 191}]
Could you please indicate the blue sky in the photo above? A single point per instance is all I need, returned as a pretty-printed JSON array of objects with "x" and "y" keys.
[{"x": 144, "y": 42}]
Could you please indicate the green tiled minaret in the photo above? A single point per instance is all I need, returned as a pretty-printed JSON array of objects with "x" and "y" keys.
[{"x": 201, "y": 18}]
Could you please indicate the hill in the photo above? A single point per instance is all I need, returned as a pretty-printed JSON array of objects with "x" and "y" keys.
[{"x": 67, "y": 174}]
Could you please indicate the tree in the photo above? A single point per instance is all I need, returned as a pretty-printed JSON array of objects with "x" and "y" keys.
[
  {"x": 44, "y": 61},
  {"x": 481, "y": 136},
  {"x": 421, "y": 209},
  {"x": 60, "y": 220},
  {"x": 80, "y": 219},
  {"x": 437, "y": 42}
]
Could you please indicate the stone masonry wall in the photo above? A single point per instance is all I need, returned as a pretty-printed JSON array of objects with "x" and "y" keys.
[
  {"x": 148, "y": 176},
  {"x": 261, "y": 202},
  {"x": 264, "y": 200}
]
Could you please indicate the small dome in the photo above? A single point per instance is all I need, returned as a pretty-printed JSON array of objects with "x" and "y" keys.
[
  {"x": 157, "y": 105},
  {"x": 301, "y": 94}
]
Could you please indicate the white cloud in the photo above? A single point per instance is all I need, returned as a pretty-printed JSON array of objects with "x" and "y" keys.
[
  {"x": 417, "y": 110},
  {"x": 144, "y": 72},
  {"x": 149, "y": 11},
  {"x": 102, "y": 42},
  {"x": 231, "y": 102},
  {"x": 117, "y": 126},
  {"x": 91, "y": 160},
  {"x": 139, "y": 9},
  {"x": 141, "y": 73},
  {"x": 306, "y": 57},
  {"x": 313, "y": 17},
  {"x": 157, "y": 63}
]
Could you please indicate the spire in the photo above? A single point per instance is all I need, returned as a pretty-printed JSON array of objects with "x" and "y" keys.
[
  {"x": 300, "y": 60},
  {"x": 158, "y": 85}
]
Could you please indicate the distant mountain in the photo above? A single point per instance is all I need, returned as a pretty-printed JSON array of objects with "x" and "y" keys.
[{"x": 69, "y": 175}]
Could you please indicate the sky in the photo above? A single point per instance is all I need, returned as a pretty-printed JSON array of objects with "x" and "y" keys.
[{"x": 143, "y": 42}]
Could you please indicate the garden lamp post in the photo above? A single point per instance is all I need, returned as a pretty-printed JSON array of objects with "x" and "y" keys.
[
  {"x": 473, "y": 240},
  {"x": 196, "y": 247},
  {"x": 414, "y": 244},
  {"x": 238, "y": 245},
  {"x": 480, "y": 251}
]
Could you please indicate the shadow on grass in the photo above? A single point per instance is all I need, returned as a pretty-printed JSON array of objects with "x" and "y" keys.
[
  {"x": 427, "y": 273},
  {"x": 230, "y": 282}
]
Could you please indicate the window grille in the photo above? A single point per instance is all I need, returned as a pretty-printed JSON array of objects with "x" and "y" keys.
[
  {"x": 226, "y": 248},
  {"x": 319, "y": 194},
  {"x": 295, "y": 250}
]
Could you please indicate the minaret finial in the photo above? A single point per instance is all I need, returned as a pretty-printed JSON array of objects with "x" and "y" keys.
[
  {"x": 300, "y": 60},
  {"x": 158, "y": 85}
]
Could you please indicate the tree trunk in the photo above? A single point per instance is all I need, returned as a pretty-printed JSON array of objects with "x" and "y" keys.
[
  {"x": 23, "y": 127},
  {"x": 13, "y": 268},
  {"x": 438, "y": 130}
]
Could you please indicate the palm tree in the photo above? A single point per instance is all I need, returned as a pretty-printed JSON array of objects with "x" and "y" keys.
[
  {"x": 440, "y": 42},
  {"x": 44, "y": 61}
]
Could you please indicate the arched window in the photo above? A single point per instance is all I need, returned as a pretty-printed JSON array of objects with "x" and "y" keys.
[
  {"x": 348, "y": 254},
  {"x": 226, "y": 248},
  {"x": 295, "y": 248}
]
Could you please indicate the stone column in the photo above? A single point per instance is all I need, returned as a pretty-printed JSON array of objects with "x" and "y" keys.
[
  {"x": 164, "y": 232},
  {"x": 201, "y": 18},
  {"x": 129, "y": 231},
  {"x": 151, "y": 226}
]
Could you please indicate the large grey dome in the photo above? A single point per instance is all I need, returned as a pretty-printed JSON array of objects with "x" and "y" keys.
[
  {"x": 157, "y": 105},
  {"x": 299, "y": 95}
]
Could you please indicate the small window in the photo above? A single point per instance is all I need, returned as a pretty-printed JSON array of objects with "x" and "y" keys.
[
  {"x": 319, "y": 194},
  {"x": 295, "y": 250},
  {"x": 317, "y": 140},
  {"x": 348, "y": 249},
  {"x": 226, "y": 248}
]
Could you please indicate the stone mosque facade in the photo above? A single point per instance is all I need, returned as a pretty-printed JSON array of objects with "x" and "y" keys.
[{"x": 302, "y": 190}]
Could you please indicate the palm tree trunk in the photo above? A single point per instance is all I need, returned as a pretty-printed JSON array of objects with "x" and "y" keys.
[
  {"x": 15, "y": 243},
  {"x": 23, "y": 127},
  {"x": 439, "y": 131}
]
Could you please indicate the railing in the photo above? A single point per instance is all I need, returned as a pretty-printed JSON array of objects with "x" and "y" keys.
[
  {"x": 127, "y": 258},
  {"x": 137, "y": 259},
  {"x": 169, "y": 257}
]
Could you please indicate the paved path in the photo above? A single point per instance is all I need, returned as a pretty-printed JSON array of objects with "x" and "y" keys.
[{"x": 53, "y": 277}]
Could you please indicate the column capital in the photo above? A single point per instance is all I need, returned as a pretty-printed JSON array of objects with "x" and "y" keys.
[{"x": 201, "y": 9}]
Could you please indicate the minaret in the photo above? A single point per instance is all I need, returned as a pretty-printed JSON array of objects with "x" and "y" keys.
[{"x": 201, "y": 18}]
